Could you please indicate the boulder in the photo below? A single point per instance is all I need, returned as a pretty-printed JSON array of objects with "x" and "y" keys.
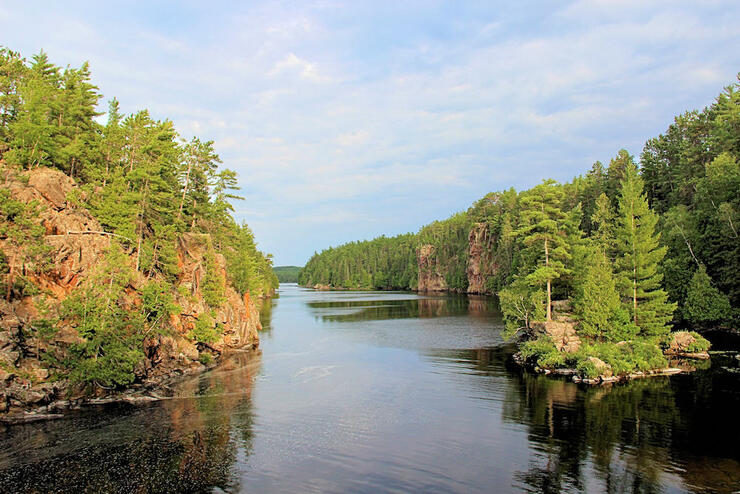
[
  {"x": 562, "y": 333},
  {"x": 604, "y": 369},
  {"x": 682, "y": 344},
  {"x": 52, "y": 184}
]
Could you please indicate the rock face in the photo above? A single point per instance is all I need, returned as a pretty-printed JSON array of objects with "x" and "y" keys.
[
  {"x": 430, "y": 278},
  {"x": 562, "y": 333},
  {"x": 77, "y": 245},
  {"x": 480, "y": 264}
]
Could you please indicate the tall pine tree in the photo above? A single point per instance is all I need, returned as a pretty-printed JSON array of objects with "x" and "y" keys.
[
  {"x": 638, "y": 258},
  {"x": 543, "y": 228}
]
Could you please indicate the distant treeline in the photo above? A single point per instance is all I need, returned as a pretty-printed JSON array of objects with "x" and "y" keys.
[
  {"x": 661, "y": 234},
  {"x": 287, "y": 274}
]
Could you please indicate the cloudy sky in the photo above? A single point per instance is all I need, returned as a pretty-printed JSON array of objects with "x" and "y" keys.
[{"x": 347, "y": 120}]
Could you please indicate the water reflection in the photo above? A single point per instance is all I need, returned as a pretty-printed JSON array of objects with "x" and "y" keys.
[
  {"x": 188, "y": 443},
  {"x": 265, "y": 306},
  {"x": 355, "y": 310},
  {"x": 377, "y": 392},
  {"x": 654, "y": 435}
]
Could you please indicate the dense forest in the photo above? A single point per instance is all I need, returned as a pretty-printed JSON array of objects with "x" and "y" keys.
[
  {"x": 287, "y": 274},
  {"x": 145, "y": 185},
  {"x": 634, "y": 247}
]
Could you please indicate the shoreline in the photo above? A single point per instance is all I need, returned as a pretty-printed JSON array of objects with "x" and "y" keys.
[{"x": 137, "y": 394}]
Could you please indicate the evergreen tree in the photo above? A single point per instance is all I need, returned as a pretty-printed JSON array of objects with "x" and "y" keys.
[
  {"x": 705, "y": 305},
  {"x": 639, "y": 255},
  {"x": 543, "y": 229},
  {"x": 597, "y": 303}
]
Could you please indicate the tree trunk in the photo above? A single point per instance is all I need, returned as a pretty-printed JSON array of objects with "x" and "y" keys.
[
  {"x": 185, "y": 188},
  {"x": 549, "y": 301},
  {"x": 634, "y": 272}
]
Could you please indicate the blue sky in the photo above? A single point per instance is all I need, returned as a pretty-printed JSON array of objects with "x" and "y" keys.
[{"x": 347, "y": 120}]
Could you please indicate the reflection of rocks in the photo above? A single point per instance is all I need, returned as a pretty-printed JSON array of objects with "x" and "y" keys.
[
  {"x": 432, "y": 307},
  {"x": 185, "y": 444}
]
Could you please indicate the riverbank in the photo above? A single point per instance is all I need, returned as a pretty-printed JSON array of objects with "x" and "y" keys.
[{"x": 73, "y": 398}]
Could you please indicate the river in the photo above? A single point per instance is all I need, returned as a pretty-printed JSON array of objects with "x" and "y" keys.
[{"x": 391, "y": 392}]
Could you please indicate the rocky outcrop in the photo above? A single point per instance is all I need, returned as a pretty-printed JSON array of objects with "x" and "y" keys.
[
  {"x": 684, "y": 344},
  {"x": 480, "y": 262},
  {"x": 562, "y": 333},
  {"x": 76, "y": 244},
  {"x": 431, "y": 277}
]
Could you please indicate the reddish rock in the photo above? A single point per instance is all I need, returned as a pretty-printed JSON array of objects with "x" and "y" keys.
[{"x": 431, "y": 277}]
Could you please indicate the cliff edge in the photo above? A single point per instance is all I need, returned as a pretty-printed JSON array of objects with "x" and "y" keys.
[{"x": 37, "y": 336}]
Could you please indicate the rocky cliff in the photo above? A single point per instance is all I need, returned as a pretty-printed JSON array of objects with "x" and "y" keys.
[
  {"x": 431, "y": 274},
  {"x": 76, "y": 244},
  {"x": 480, "y": 261}
]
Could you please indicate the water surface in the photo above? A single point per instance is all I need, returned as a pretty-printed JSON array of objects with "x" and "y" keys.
[{"x": 391, "y": 392}]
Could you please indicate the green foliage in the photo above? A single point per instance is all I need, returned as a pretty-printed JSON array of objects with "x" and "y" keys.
[
  {"x": 700, "y": 344},
  {"x": 26, "y": 252},
  {"x": 543, "y": 230},
  {"x": 112, "y": 333},
  {"x": 520, "y": 305},
  {"x": 624, "y": 357},
  {"x": 249, "y": 269},
  {"x": 638, "y": 257},
  {"x": 213, "y": 281},
  {"x": 141, "y": 180},
  {"x": 205, "y": 358},
  {"x": 383, "y": 263},
  {"x": 694, "y": 166},
  {"x": 705, "y": 305},
  {"x": 587, "y": 369},
  {"x": 450, "y": 246},
  {"x": 205, "y": 330},
  {"x": 597, "y": 302},
  {"x": 287, "y": 274},
  {"x": 158, "y": 303},
  {"x": 542, "y": 352}
]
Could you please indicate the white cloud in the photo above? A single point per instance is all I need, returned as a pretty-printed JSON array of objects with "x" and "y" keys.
[
  {"x": 305, "y": 69},
  {"x": 358, "y": 122}
]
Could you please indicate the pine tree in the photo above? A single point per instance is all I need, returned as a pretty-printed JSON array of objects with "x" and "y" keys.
[
  {"x": 604, "y": 223},
  {"x": 543, "y": 228},
  {"x": 597, "y": 303},
  {"x": 705, "y": 305},
  {"x": 638, "y": 258}
]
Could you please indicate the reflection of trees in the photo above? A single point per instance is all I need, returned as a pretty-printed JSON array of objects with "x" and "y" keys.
[
  {"x": 264, "y": 306},
  {"x": 630, "y": 432},
  {"x": 621, "y": 438},
  {"x": 423, "y": 307},
  {"x": 185, "y": 444}
]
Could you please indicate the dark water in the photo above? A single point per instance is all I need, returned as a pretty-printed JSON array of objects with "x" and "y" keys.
[{"x": 391, "y": 392}]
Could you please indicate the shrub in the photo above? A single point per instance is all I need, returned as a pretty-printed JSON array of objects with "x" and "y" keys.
[
  {"x": 700, "y": 343},
  {"x": 587, "y": 369},
  {"x": 624, "y": 358},
  {"x": 205, "y": 358},
  {"x": 543, "y": 353},
  {"x": 157, "y": 303},
  {"x": 205, "y": 331}
]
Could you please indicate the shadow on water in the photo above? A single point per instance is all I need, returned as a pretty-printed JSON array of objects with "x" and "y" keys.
[
  {"x": 663, "y": 434},
  {"x": 188, "y": 443}
]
